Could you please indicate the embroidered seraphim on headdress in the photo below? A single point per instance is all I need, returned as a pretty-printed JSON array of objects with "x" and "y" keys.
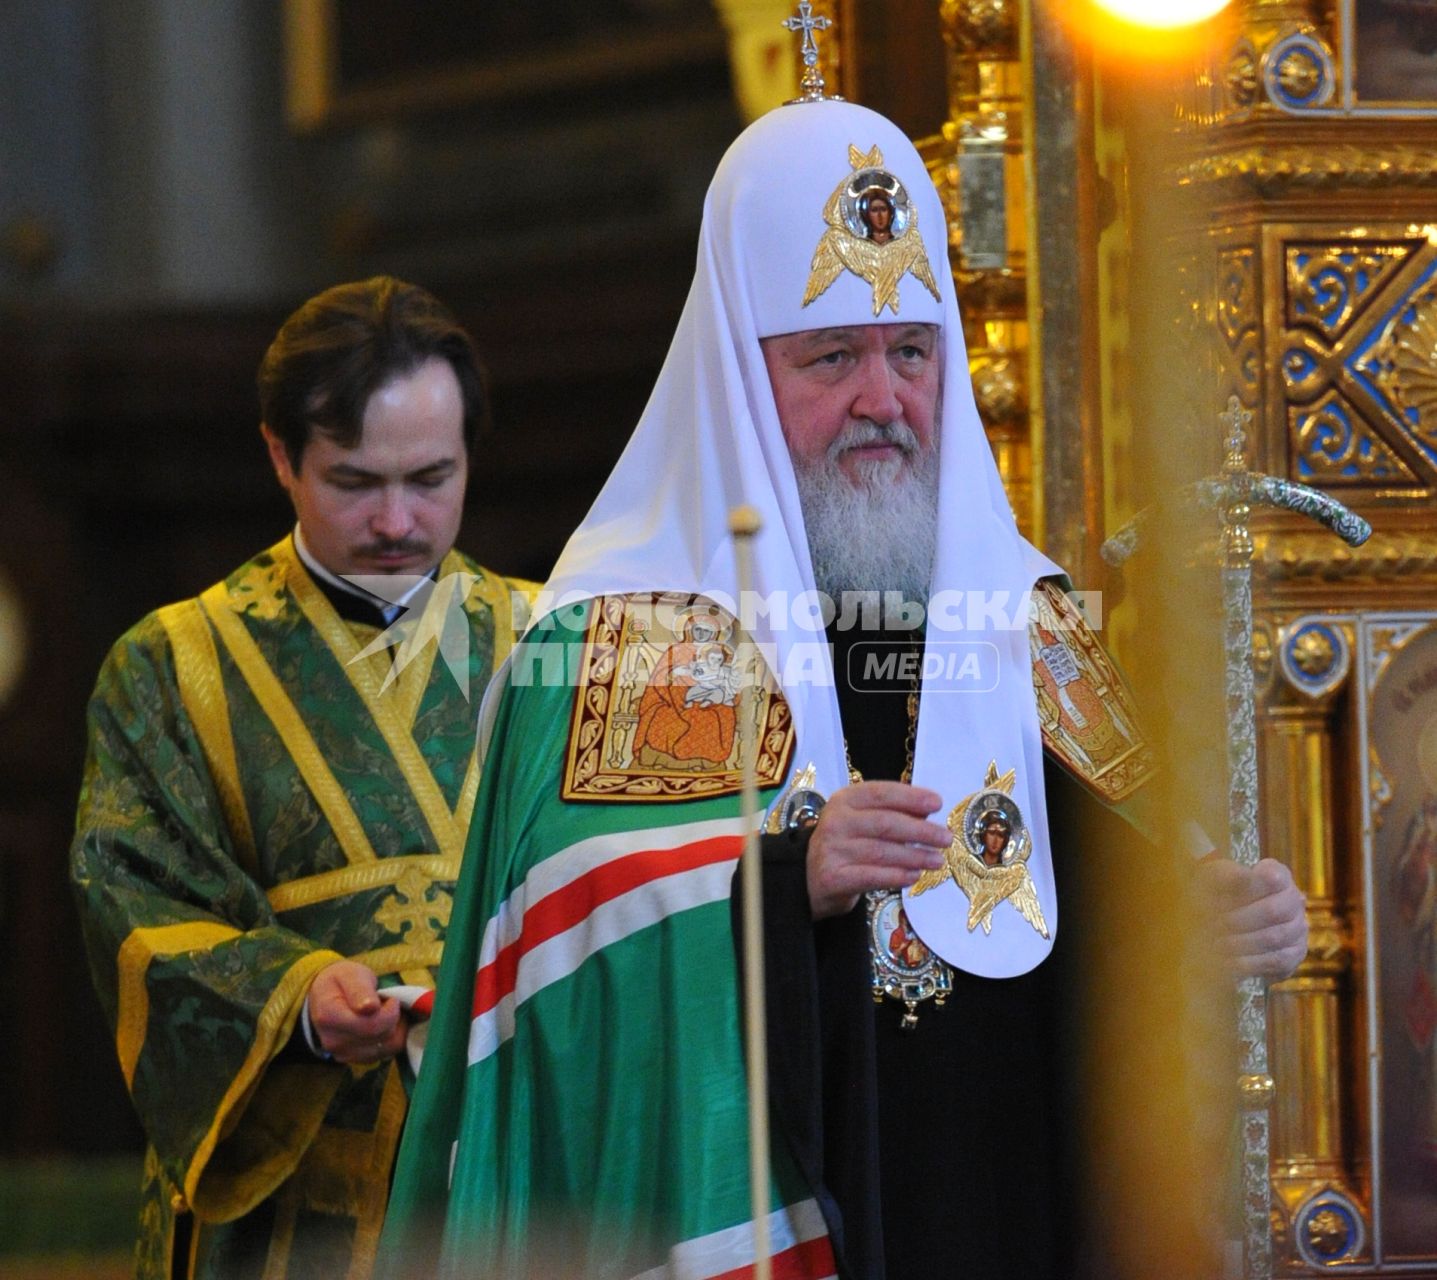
[{"x": 872, "y": 232}]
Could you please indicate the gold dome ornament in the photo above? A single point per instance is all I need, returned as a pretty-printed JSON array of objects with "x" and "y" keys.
[{"x": 12, "y": 638}]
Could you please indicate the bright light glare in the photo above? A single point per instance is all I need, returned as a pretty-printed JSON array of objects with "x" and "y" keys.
[{"x": 1162, "y": 13}]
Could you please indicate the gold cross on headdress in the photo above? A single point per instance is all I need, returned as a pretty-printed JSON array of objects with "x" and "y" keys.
[{"x": 812, "y": 86}]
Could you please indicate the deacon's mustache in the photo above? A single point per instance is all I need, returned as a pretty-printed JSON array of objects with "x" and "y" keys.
[
  {"x": 395, "y": 546},
  {"x": 864, "y": 431}
]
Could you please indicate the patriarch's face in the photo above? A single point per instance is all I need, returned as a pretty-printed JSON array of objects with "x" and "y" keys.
[{"x": 864, "y": 398}]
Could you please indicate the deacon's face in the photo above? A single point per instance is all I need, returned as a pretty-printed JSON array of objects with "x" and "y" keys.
[
  {"x": 393, "y": 503},
  {"x": 865, "y": 397}
]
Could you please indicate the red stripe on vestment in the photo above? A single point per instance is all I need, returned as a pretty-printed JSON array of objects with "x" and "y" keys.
[
  {"x": 569, "y": 906},
  {"x": 807, "y": 1260}
]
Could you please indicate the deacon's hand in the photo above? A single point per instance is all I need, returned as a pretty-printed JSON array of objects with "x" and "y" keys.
[
  {"x": 1259, "y": 916},
  {"x": 350, "y": 1019},
  {"x": 872, "y": 835}
]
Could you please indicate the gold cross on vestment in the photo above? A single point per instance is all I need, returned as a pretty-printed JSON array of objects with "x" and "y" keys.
[{"x": 410, "y": 913}]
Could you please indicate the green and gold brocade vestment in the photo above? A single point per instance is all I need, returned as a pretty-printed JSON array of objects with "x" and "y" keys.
[{"x": 262, "y": 798}]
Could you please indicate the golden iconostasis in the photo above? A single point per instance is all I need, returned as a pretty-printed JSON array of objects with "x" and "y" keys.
[{"x": 1149, "y": 217}]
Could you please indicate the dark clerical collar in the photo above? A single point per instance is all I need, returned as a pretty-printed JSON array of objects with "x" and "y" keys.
[{"x": 353, "y": 603}]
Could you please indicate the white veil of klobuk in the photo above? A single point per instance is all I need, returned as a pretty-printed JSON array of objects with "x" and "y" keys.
[{"x": 709, "y": 440}]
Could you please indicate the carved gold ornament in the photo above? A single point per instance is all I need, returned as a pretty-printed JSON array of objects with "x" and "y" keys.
[
  {"x": 1298, "y": 75},
  {"x": 1274, "y": 168},
  {"x": 1313, "y": 652},
  {"x": 1328, "y": 283},
  {"x": 858, "y": 241},
  {"x": 1241, "y": 78},
  {"x": 1256, "y": 1091},
  {"x": 998, "y": 389},
  {"x": 983, "y": 25},
  {"x": 1338, "y": 445},
  {"x": 1404, "y": 359},
  {"x": 1261, "y": 653},
  {"x": 1327, "y": 1232}
]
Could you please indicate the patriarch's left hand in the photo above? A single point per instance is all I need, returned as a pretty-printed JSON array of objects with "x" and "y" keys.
[{"x": 1259, "y": 916}]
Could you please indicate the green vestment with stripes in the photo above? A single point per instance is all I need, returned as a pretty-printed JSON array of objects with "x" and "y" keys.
[{"x": 582, "y": 1107}]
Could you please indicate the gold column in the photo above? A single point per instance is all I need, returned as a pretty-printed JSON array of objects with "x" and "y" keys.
[
  {"x": 978, "y": 165},
  {"x": 1324, "y": 310},
  {"x": 1307, "y": 1011}
]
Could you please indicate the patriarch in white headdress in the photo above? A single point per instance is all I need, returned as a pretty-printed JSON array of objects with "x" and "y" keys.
[{"x": 820, "y": 217}]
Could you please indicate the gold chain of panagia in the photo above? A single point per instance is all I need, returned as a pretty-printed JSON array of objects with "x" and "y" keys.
[
  {"x": 934, "y": 979},
  {"x": 910, "y": 742}
]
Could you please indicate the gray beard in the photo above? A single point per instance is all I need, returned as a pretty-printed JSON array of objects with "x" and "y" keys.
[{"x": 880, "y": 534}]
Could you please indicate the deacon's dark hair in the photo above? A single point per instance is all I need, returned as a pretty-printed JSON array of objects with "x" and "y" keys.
[{"x": 345, "y": 344}]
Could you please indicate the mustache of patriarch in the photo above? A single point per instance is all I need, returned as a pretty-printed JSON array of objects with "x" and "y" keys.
[{"x": 860, "y": 434}]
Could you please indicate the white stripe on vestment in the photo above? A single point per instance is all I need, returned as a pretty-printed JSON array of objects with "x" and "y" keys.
[
  {"x": 558, "y": 957},
  {"x": 722, "y": 1251},
  {"x": 577, "y": 860}
]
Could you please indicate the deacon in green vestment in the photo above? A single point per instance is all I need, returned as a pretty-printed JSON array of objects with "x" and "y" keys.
[{"x": 276, "y": 799}]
